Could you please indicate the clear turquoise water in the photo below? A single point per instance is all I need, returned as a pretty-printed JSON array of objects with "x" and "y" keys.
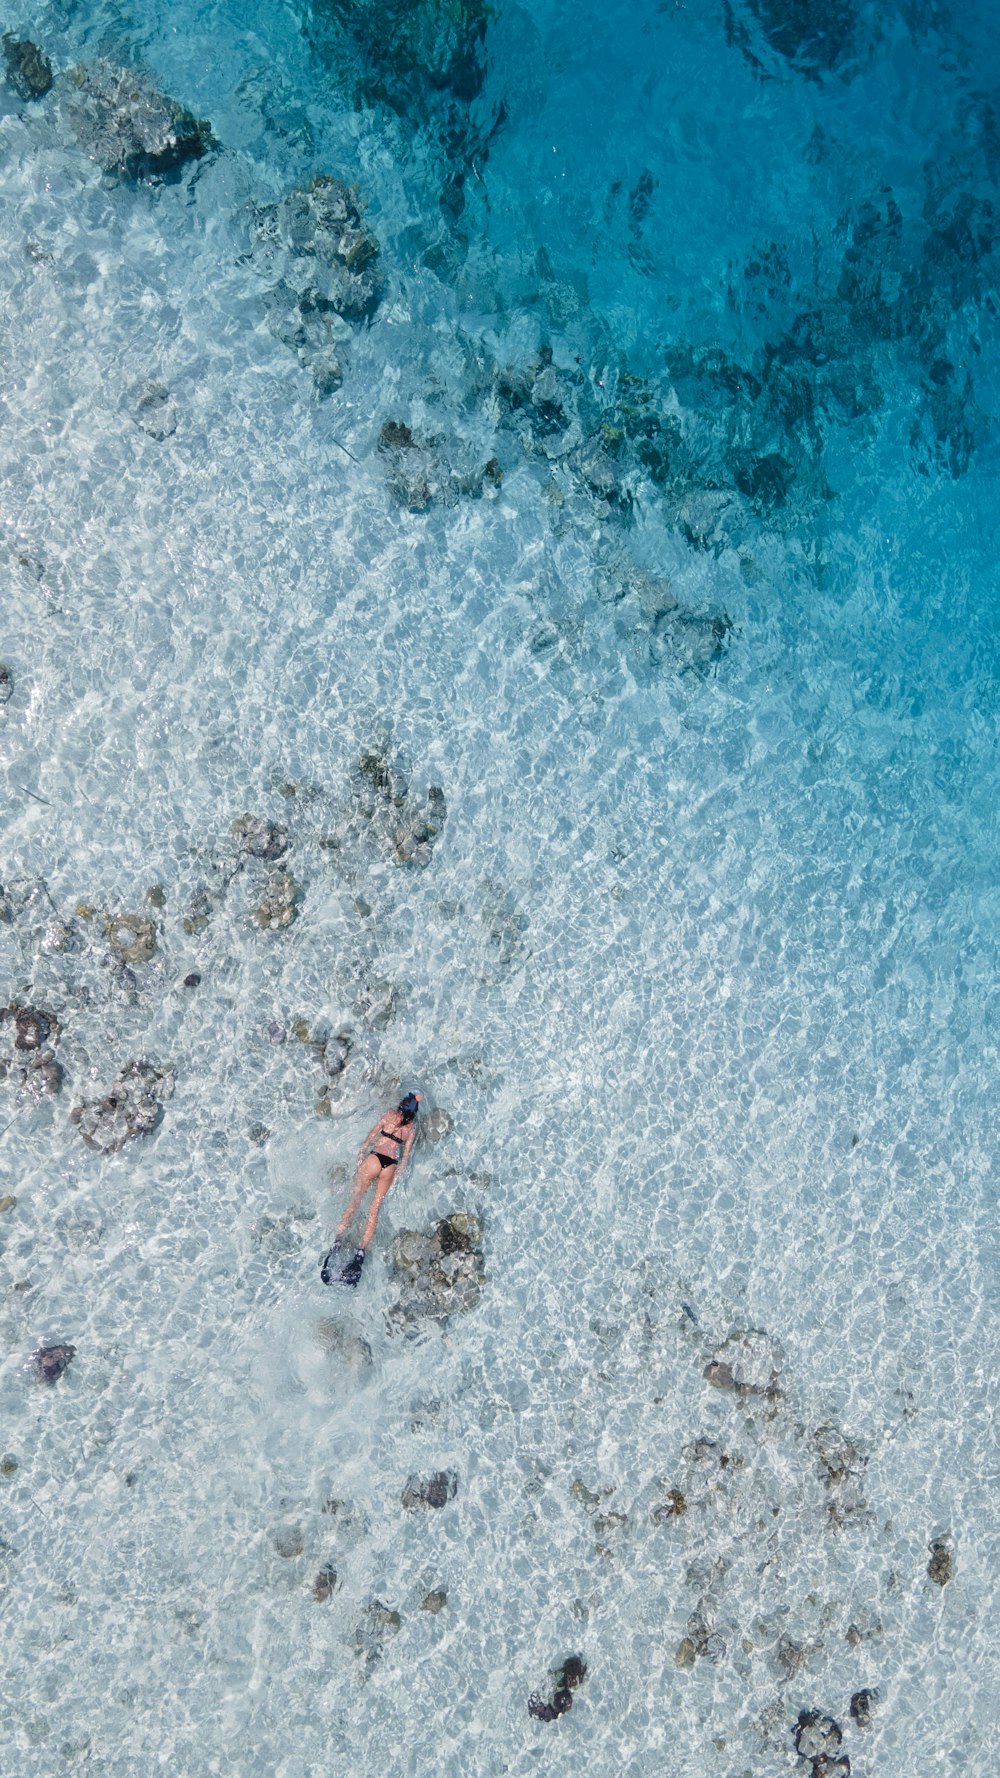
[{"x": 704, "y": 965}]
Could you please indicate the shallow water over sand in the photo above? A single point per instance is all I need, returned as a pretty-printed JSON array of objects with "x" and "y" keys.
[{"x": 674, "y": 571}]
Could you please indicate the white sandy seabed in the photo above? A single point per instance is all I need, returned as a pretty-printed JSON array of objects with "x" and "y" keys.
[{"x": 703, "y": 968}]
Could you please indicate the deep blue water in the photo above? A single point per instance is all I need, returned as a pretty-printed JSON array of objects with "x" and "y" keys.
[{"x": 631, "y": 476}]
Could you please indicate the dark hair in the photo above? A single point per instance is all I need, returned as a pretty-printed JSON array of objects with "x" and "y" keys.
[{"x": 407, "y": 1107}]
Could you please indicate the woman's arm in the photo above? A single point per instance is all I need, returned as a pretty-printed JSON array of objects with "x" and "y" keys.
[{"x": 408, "y": 1141}]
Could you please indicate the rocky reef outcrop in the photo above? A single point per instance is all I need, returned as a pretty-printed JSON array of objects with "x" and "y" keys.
[
  {"x": 132, "y": 130},
  {"x": 133, "y": 1106}
]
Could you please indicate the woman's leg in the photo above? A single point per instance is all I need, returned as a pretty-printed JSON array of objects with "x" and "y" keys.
[
  {"x": 366, "y": 1173},
  {"x": 381, "y": 1192}
]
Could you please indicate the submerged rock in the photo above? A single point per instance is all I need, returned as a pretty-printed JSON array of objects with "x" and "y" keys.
[
  {"x": 849, "y": 1506},
  {"x": 729, "y": 446},
  {"x": 602, "y": 478},
  {"x": 862, "y": 1704},
  {"x": 199, "y": 913},
  {"x": 311, "y": 334},
  {"x": 412, "y": 50},
  {"x": 133, "y": 1107},
  {"x": 335, "y": 1053},
  {"x": 129, "y": 128},
  {"x": 789, "y": 1657},
  {"x": 441, "y": 1271},
  {"x": 279, "y": 905},
  {"x": 766, "y": 480},
  {"x": 44, "y": 1079},
  {"x": 674, "y": 1507},
  {"x": 52, "y": 1361},
  {"x": 32, "y": 1027},
  {"x": 415, "y": 842},
  {"x": 708, "y": 1645},
  {"x": 333, "y": 264},
  {"x": 435, "y": 1601},
  {"x": 838, "y": 1456},
  {"x": 412, "y": 1252},
  {"x": 379, "y": 782},
  {"x": 351, "y": 1351},
  {"x": 327, "y": 273},
  {"x": 752, "y": 1359},
  {"x": 460, "y": 1232},
  {"x": 427, "y": 61},
  {"x": 414, "y": 474},
  {"x": 504, "y": 929},
  {"x": 152, "y": 409},
  {"x": 257, "y": 838},
  {"x": 376, "y": 1003},
  {"x": 436, "y": 1125},
  {"x": 133, "y": 936},
  {"x": 646, "y": 607},
  {"x": 816, "y": 1736},
  {"x": 940, "y": 1565},
  {"x": 705, "y": 1451},
  {"x": 419, "y": 470},
  {"x": 6, "y": 683},
  {"x": 691, "y": 641},
  {"x": 842, "y": 1466},
  {"x": 351, "y": 1521},
  {"x": 396, "y": 436},
  {"x": 701, "y": 516},
  {"x": 29, "y": 70},
  {"x": 949, "y": 425},
  {"x": 376, "y": 1623},
  {"x": 27, "y": 1058},
  {"x": 422, "y": 1492},
  {"x": 58, "y": 938},
  {"x": 541, "y": 400},
  {"x": 811, "y": 40},
  {"x": 568, "y": 1678},
  {"x": 325, "y": 1584},
  {"x": 289, "y": 1541},
  {"x": 406, "y": 823},
  {"x": 719, "y": 1375}
]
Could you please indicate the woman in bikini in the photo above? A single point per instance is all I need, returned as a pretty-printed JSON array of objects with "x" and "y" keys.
[{"x": 384, "y": 1153}]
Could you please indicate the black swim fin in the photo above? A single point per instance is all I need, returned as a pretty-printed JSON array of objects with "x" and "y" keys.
[
  {"x": 352, "y": 1271},
  {"x": 348, "y": 1274}
]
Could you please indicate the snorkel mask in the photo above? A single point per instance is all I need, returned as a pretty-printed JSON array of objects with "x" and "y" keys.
[{"x": 407, "y": 1107}]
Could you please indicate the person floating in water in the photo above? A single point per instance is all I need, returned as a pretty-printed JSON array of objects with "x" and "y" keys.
[{"x": 384, "y": 1153}]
